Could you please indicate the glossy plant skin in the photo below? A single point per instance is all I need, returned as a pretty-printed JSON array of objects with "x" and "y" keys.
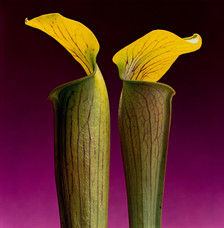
[
  {"x": 144, "y": 120},
  {"x": 82, "y": 152},
  {"x": 82, "y": 129}
]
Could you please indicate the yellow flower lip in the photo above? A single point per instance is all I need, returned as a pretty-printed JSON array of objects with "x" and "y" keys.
[
  {"x": 150, "y": 57},
  {"x": 75, "y": 37}
]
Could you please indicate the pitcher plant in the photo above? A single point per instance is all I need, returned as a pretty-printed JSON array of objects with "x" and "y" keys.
[
  {"x": 82, "y": 128},
  {"x": 144, "y": 120}
]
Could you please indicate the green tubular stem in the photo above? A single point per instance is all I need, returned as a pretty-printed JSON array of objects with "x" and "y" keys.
[
  {"x": 82, "y": 150},
  {"x": 144, "y": 123}
]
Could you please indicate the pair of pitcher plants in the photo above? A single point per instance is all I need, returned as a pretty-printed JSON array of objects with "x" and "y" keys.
[{"x": 82, "y": 124}]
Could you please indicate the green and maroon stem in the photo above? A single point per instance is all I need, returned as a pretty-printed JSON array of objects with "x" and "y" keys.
[
  {"x": 144, "y": 123},
  {"x": 82, "y": 150}
]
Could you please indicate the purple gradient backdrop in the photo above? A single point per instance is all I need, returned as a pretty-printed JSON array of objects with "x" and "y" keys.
[{"x": 32, "y": 64}]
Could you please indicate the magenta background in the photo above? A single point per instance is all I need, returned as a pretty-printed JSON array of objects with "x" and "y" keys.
[{"x": 32, "y": 64}]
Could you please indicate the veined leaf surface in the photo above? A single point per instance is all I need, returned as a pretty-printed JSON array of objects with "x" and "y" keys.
[
  {"x": 144, "y": 119},
  {"x": 82, "y": 129},
  {"x": 72, "y": 35},
  {"x": 149, "y": 58}
]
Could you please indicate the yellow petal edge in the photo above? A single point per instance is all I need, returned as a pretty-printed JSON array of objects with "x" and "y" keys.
[
  {"x": 150, "y": 57},
  {"x": 72, "y": 35}
]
